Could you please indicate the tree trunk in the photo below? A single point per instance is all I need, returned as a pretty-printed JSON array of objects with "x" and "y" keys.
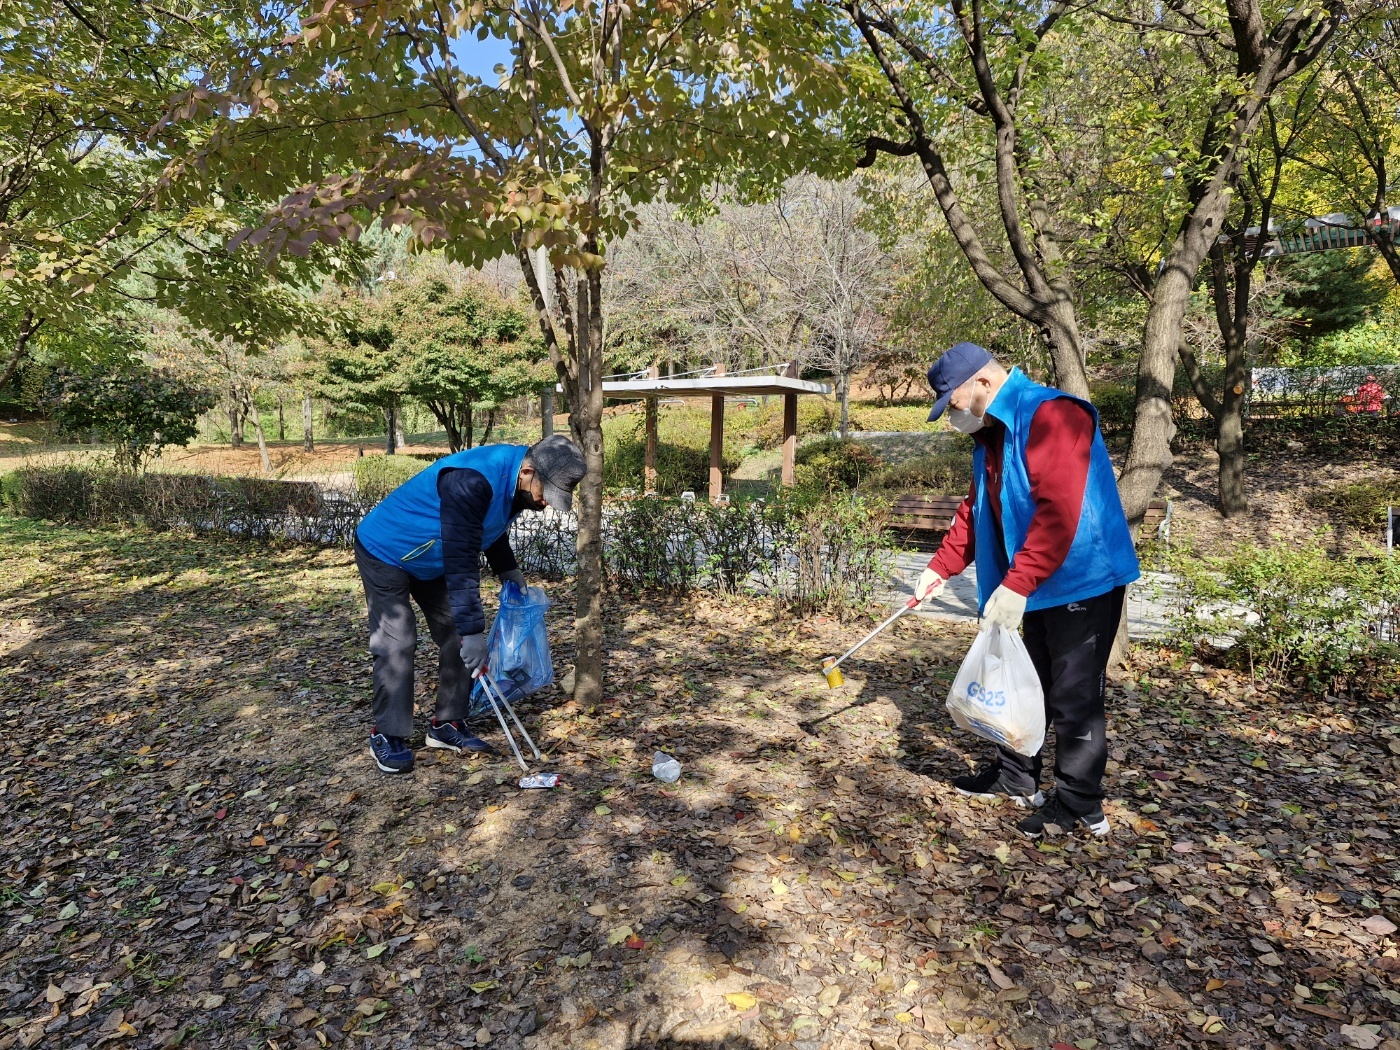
[
  {"x": 281, "y": 419},
  {"x": 262, "y": 441},
  {"x": 844, "y": 393},
  {"x": 1229, "y": 443},
  {"x": 391, "y": 429},
  {"x": 307, "y": 441},
  {"x": 28, "y": 326},
  {"x": 399, "y": 440},
  {"x": 469, "y": 424},
  {"x": 235, "y": 422},
  {"x": 490, "y": 422},
  {"x": 587, "y": 422}
]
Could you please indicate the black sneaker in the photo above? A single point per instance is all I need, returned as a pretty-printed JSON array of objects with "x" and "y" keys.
[
  {"x": 989, "y": 784},
  {"x": 451, "y": 736},
  {"x": 391, "y": 753},
  {"x": 1054, "y": 812}
]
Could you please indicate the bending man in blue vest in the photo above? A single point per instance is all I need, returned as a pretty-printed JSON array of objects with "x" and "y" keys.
[
  {"x": 424, "y": 542},
  {"x": 1043, "y": 523}
]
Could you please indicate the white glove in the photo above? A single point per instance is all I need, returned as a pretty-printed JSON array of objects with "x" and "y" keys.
[
  {"x": 930, "y": 585},
  {"x": 1005, "y": 607}
]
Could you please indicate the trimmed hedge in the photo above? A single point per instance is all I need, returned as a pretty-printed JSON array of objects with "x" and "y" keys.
[
  {"x": 377, "y": 476},
  {"x": 251, "y": 508}
]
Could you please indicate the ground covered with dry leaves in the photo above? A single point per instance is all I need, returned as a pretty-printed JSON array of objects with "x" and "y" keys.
[{"x": 199, "y": 852}]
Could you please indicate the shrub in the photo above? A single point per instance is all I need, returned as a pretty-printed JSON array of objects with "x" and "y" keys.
[
  {"x": 250, "y": 508},
  {"x": 834, "y": 465},
  {"x": 1361, "y": 505},
  {"x": 682, "y": 450},
  {"x": 377, "y": 476},
  {"x": 1116, "y": 404},
  {"x": 815, "y": 415},
  {"x": 139, "y": 410},
  {"x": 808, "y": 553},
  {"x": 904, "y": 419},
  {"x": 1294, "y": 613},
  {"x": 829, "y": 555},
  {"x": 939, "y": 474}
]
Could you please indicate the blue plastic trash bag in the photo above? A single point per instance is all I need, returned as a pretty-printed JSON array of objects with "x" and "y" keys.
[{"x": 518, "y": 659}]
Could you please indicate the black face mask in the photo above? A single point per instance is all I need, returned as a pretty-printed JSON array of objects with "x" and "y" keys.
[{"x": 523, "y": 501}]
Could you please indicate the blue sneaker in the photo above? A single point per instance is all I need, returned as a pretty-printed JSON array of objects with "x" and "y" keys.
[
  {"x": 391, "y": 753},
  {"x": 451, "y": 736}
]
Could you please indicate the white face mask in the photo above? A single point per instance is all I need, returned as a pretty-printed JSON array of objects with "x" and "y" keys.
[{"x": 964, "y": 421}]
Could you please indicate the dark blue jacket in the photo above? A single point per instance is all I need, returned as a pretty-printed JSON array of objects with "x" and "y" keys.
[
  {"x": 1102, "y": 555},
  {"x": 440, "y": 521}
]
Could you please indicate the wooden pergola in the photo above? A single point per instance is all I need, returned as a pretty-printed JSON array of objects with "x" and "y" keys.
[{"x": 717, "y": 385}]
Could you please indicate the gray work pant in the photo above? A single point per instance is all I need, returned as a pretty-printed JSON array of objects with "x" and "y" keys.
[{"x": 393, "y": 636}]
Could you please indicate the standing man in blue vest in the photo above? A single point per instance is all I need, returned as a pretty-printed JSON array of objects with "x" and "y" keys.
[
  {"x": 424, "y": 542},
  {"x": 1043, "y": 524}
]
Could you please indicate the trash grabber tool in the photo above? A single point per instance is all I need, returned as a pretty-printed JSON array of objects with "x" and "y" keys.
[{"x": 831, "y": 664}]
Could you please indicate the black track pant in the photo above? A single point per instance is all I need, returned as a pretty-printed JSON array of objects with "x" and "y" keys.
[
  {"x": 393, "y": 635},
  {"x": 1069, "y": 645}
]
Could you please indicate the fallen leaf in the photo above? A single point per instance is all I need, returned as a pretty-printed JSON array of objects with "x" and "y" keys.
[
  {"x": 1079, "y": 929},
  {"x": 1377, "y": 924},
  {"x": 602, "y": 811},
  {"x": 1364, "y": 1036},
  {"x": 741, "y": 1000},
  {"x": 618, "y": 934},
  {"x": 635, "y": 943},
  {"x": 998, "y": 978},
  {"x": 375, "y": 951}
]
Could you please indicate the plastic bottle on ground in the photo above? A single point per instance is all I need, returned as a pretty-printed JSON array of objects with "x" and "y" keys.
[{"x": 664, "y": 767}]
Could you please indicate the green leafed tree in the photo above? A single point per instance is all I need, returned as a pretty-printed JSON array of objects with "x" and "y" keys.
[
  {"x": 88, "y": 223},
  {"x": 462, "y": 349},
  {"x": 348, "y": 111},
  {"x": 139, "y": 410}
]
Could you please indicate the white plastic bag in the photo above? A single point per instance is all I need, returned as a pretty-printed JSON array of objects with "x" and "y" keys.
[{"x": 997, "y": 693}]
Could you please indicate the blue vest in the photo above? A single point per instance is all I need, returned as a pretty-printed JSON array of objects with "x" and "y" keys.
[
  {"x": 1102, "y": 555},
  {"x": 405, "y": 529}
]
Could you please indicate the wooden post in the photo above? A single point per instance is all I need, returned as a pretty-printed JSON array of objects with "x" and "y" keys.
[
  {"x": 789, "y": 438},
  {"x": 649, "y": 474},
  {"x": 547, "y": 413},
  {"x": 717, "y": 442}
]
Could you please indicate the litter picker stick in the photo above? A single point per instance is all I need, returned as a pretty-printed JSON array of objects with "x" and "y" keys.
[
  {"x": 491, "y": 699},
  {"x": 830, "y": 666},
  {"x": 510, "y": 710}
]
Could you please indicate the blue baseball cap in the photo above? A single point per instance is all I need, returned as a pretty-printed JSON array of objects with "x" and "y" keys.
[{"x": 955, "y": 367}]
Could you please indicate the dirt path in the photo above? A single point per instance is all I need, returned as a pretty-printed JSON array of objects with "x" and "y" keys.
[{"x": 198, "y": 851}]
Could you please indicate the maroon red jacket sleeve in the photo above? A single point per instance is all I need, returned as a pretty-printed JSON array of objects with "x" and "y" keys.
[
  {"x": 1057, "y": 460},
  {"x": 955, "y": 552}
]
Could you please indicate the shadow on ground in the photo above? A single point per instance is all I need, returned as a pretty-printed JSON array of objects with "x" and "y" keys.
[{"x": 199, "y": 852}]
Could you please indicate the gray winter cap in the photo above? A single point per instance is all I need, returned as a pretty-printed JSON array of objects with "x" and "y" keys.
[{"x": 559, "y": 464}]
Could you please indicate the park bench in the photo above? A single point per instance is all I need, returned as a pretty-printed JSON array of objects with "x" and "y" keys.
[{"x": 1158, "y": 519}]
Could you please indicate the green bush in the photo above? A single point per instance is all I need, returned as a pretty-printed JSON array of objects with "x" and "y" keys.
[
  {"x": 1116, "y": 404},
  {"x": 682, "y": 450},
  {"x": 906, "y": 419},
  {"x": 815, "y": 415},
  {"x": 939, "y": 474},
  {"x": 248, "y": 508},
  {"x": 807, "y": 552},
  {"x": 377, "y": 476},
  {"x": 1295, "y": 614},
  {"x": 1361, "y": 505},
  {"x": 833, "y": 465}
]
